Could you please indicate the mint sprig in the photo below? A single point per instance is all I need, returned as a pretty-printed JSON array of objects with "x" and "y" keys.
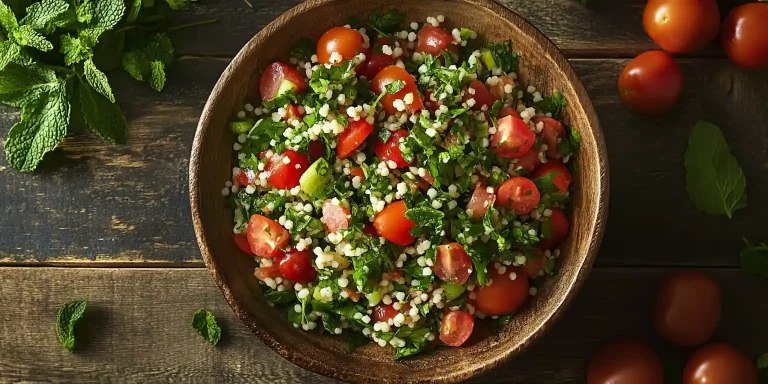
[
  {"x": 69, "y": 314},
  {"x": 205, "y": 324}
]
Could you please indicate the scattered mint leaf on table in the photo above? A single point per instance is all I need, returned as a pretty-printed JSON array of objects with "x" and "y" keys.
[
  {"x": 69, "y": 314},
  {"x": 754, "y": 259},
  {"x": 205, "y": 324},
  {"x": 714, "y": 179}
]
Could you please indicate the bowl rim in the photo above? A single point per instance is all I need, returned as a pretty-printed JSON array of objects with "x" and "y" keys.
[{"x": 597, "y": 221}]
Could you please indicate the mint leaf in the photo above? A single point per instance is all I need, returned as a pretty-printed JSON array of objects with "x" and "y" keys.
[
  {"x": 133, "y": 12},
  {"x": 139, "y": 62},
  {"x": 98, "y": 80},
  {"x": 205, "y": 324},
  {"x": 84, "y": 11},
  {"x": 9, "y": 51},
  {"x": 107, "y": 13},
  {"x": 28, "y": 37},
  {"x": 39, "y": 15},
  {"x": 73, "y": 49},
  {"x": 101, "y": 115},
  {"x": 754, "y": 260},
  {"x": 68, "y": 316},
  {"x": 714, "y": 179},
  {"x": 178, "y": 5},
  {"x": 553, "y": 104},
  {"x": 20, "y": 85},
  {"x": 8, "y": 18},
  {"x": 157, "y": 78}
]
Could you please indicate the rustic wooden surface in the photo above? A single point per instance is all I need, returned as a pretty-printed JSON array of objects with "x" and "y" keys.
[{"x": 115, "y": 223}]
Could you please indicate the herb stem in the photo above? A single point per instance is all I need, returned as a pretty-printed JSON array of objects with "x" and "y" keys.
[
  {"x": 57, "y": 68},
  {"x": 193, "y": 24},
  {"x": 127, "y": 28}
]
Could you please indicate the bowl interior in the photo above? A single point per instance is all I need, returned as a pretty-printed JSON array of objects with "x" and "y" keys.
[{"x": 541, "y": 65}]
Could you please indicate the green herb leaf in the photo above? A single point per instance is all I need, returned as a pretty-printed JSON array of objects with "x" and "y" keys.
[
  {"x": 386, "y": 22},
  {"x": 107, "y": 13},
  {"x": 178, "y": 5},
  {"x": 28, "y": 37},
  {"x": 355, "y": 340},
  {"x": 714, "y": 179},
  {"x": 157, "y": 78},
  {"x": 303, "y": 50},
  {"x": 545, "y": 184},
  {"x": 503, "y": 55},
  {"x": 68, "y": 316},
  {"x": 98, "y": 80},
  {"x": 205, "y": 324},
  {"x": 20, "y": 85},
  {"x": 424, "y": 216},
  {"x": 553, "y": 104},
  {"x": 280, "y": 297},
  {"x": 9, "y": 51},
  {"x": 102, "y": 116},
  {"x": 754, "y": 259},
  {"x": 39, "y": 15},
  {"x": 139, "y": 63},
  {"x": 8, "y": 18},
  {"x": 394, "y": 87}
]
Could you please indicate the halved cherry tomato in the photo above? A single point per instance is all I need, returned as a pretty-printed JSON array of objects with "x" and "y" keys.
[
  {"x": 456, "y": 327},
  {"x": 480, "y": 201},
  {"x": 535, "y": 264},
  {"x": 242, "y": 243},
  {"x": 246, "y": 177},
  {"x": 273, "y": 271},
  {"x": 509, "y": 111},
  {"x": 452, "y": 264},
  {"x": 745, "y": 35},
  {"x": 529, "y": 161},
  {"x": 390, "y": 151},
  {"x": 481, "y": 95},
  {"x": 504, "y": 295},
  {"x": 552, "y": 131},
  {"x": 357, "y": 172},
  {"x": 513, "y": 138},
  {"x": 284, "y": 175},
  {"x": 354, "y": 296},
  {"x": 651, "y": 83},
  {"x": 376, "y": 60},
  {"x": 297, "y": 267},
  {"x": 389, "y": 75},
  {"x": 335, "y": 217},
  {"x": 561, "y": 181},
  {"x": 347, "y": 42},
  {"x": 352, "y": 137},
  {"x": 292, "y": 112},
  {"x": 393, "y": 225},
  {"x": 519, "y": 194},
  {"x": 266, "y": 237},
  {"x": 433, "y": 40},
  {"x": 384, "y": 312},
  {"x": 499, "y": 90},
  {"x": 560, "y": 230},
  {"x": 274, "y": 76},
  {"x": 316, "y": 150}
]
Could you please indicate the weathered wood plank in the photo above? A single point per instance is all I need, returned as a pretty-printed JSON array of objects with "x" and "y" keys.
[{"x": 138, "y": 328}]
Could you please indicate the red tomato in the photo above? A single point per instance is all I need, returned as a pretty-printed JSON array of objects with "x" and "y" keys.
[
  {"x": 509, "y": 111},
  {"x": 719, "y": 363},
  {"x": 266, "y": 237},
  {"x": 246, "y": 177},
  {"x": 390, "y": 151},
  {"x": 513, "y": 138},
  {"x": 433, "y": 40},
  {"x": 272, "y": 79},
  {"x": 625, "y": 362},
  {"x": 316, "y": 150},
  {"x": 376, "y": 60},
  {"x": 297, "y": 267},
  {"x": 242, "y": 243},
  {"x": 686, "y": 308},
  {"x": 335, "y": 217},
  {"x": 370, "y": 230},
  {"x": 357, "y": 172},
  {"x": 681, "y": 26},
  {"x": 529, "y": 161},
  {"x": 389, "y": 75},
  {"x": 745, "y": 35},
  {"x": 384, "y": 312},
  {"x": 560, "y": 230},
  {"x": 504, "y": 295},
  {"x": 262, "y": 273},
  {"x": 452, "y": 264},
  {"x": 286, "y": 175},
  {"x": 519, "y": 194},
  {"x": 480, "y": 201},
  {"x": 347, "y": 42},
  {"x": 499, "y": 90},
  {"x": 352, "y": 137},
  {"x": 562, "y": 180},
  {"x": 393, "y": 225},
  {"x": 292, "y": 112},
  {"x": 535, "y": 264},
  {"x": 456, "y": 328},
  {"x": 552, "y": 131},
  {"x": 481, "y": 95},
  {"x": 354, "y": 296},
  {"x": 651, "y": 83}
]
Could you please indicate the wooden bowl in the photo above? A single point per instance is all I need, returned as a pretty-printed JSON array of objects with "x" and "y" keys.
[{"x": 212, "y": 160}]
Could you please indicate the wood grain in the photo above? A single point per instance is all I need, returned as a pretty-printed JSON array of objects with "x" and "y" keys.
[{"x": 138, "y": 328}]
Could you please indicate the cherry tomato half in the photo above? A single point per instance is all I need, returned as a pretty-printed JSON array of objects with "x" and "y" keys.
[
  {"x": 745, "y": 35},
  {"x": 352, "y": 137},
  {"x": 246, "y": 177},
  {"x": 389, "y": 75},
  {"x": 384, "y": 312},
  {"x": 390, "y": 151},
  {"x": 681, "y": 26},
  {"x": 433, "y": 40},
  {"x": 452, "y": 264},
  {"x": 266, "y": 237},
  {"x": 376, "y": 60},
  {"x": 480, "y": 201},
  {"x": 504, "y": 295},
  {"x": 456, "y": 327},
  {"x": 242, "y": 243},
  {"x": 273, "y": 77},
  {"x": 551, "y": 132},
  {"x": 347, "y": 42},
  {"x": 686, "y": 309},
  {"x": 535, "y": 264},
  {"x": 513, "y": 138},
  {"x": 357, "y": 172},
  {"x": 519, "y": 194},
  {"x": 316, "y": 150},
  {"x": 560, "y": 230},
  {"x": 509, "y": 111},
  {"x": 529, "y": 161},
  {"x": 335, "y": 217},
  {"x": 393, "y": 225},
  {"x": 500, "y": 89},
  {"x": 285, "y": 174},
  {"x": 651, "y": 83},
  {"x": 481, "y": 95},
  {"x": 719, "y": 363},
  {"x": 296, "y": 266},
  {"x": 563, "y": 178},
  {"x": 625, "y": 362}
]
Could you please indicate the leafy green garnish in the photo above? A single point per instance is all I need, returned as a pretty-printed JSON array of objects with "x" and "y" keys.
[
  {"x": 553, "y": 104},
  {"x": 754, "y": 259},
  {"x": 394, "y": 87},
  {"x": 205, "y": 324},
  {"x": 505, "y": 58},
  {"x": 303, "y": 50},
  {"x": 386, "y": 22},
  {"x": 69, "y": 314}
]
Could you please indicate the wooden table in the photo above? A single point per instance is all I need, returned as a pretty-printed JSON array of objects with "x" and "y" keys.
[{"x": 112, "y": 224}]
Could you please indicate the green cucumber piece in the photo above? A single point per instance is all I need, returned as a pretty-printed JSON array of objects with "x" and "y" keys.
[
  {"x": 452, "y": 291},
  {"x": 285, "y": 87},
  {"x": 316, "y": 177},
  {"x": 373, "y": 298},
  {"x": 487, "y": 57},
  {"x": 240, "y": 127}
]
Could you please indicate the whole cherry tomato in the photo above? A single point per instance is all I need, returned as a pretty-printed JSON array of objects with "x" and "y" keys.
[
  {"x": 745, "y": 35},
  {"x": 651, "y": 83},
  {"x": 686, "y": 309},
  {"x": 719, "y": 363},
  {"x": 346, "y": 42},
  {"x": 625, "y": 362},
  {"x": 681, "y": 26}
]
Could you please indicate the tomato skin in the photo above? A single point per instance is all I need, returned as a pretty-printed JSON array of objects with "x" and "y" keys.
[
  {"x": 456, "y": 327},
  {"x": 503, "y": 296},
  {"x": 686, "y": 308},
  {"x": 651, "y": 83},
  {"x": 509, "y": 111},
  {"x": 561, "y": 227},
  {"x": 520, "y": 194},
  {"x": 433, "y": 40},
  {"x": 266, "y": 237},
  {"x": 335, "y": 217},
  {"x": 271, "y": 272},
  {"x": 513, "y": 138},
  {"x": 370, "y": 230},
  {"x": 242, "y": 243},
  {"x": 535, "y": 264},
  {"x": 390, "y": 151},
  {"x": 745, "y": 35},
  {"x": 273, "y": 77},
  {"x": 452, "y": 264},
  {"x": 376, "y": 61},
  {"x": 246, "y": 177},
  {"x": 480, "y": 201},
  {"x": 384, "y": 312},
  {"x": 286, "y": 176},
  {"x": 347, "y": 42},
  {"x": 316, "y": 150},
  {"x": 562, "y": 181},
  {"x": 719, "y": 363},
  {"x": 296, "y": 266},
  {"x": 393, "y": 225},
  {"x": 352, "y": 137},
  {"x": 389, "y": 75},
  {"x": 529, "y": 161},
  {"x": 498, "y": 90},
  {"x": 552, "y": 131},
  {"x": 681, "y": 26},
  {"x": 482, "y": 96},
  {"x": 625, "y": 362},
  {"x": 292, "y": 112}
]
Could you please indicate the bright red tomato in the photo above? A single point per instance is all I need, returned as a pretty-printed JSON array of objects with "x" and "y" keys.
[
  {"x": 552, "y": 131},
  {"x": 500, "y": 89},
  {"x": 509, "y": 111},
  {"x": 384, "y": 312},
  {"x": 681, "y": 26},
  {"x": 513, "y": 138},
  {"x": 563, "y": 178},
  {"x": 625, "y": 362},
  {"x": 242, "y": 243},
  {"x": 745, "y": 35},
  {"x": 347, "y": 42},
  {"x": 456, "y": 327},
  {"x": 651, "y": 83},
  {"x": 352, "y": 137},
  {"x": 271, "y": 272},
  {"x": 292, "y": 112},
  {"x": 480, "y": 201},
  {"x": 274, "y": 76},
  {"x": 297, "y": 267},
  {"x": 316, "y": 150},
  {"x": 393, "y": 225},
  {"x": 390, "y": 151},
  {"x": 686, "y": 307},
  {"x": 376, "y": 60},
  {"x": 719, "y": 363},
  {"x": 529, "y": 161},
  {"x": 481, "y": 95},
  {"x": 560, "y": 230},
  {"x": 335, "y": 217},
  {"x": 433, "y": 40},
  {"x": 284, "y": 175},
  {"x": 504, "y": 295},
  {"x": 389, "y": 75},
  {"x": 266, "y": 237},
  {"x": 246, "y": 177},
  {"x": 452, "y": 264},
  {"x": 519, "y": 194}
]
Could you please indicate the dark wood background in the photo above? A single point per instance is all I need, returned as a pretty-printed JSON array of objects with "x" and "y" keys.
[{"x": 112, "y": 224}]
